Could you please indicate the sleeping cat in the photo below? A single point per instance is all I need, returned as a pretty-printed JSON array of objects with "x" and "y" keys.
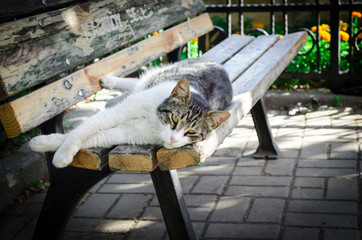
[{"x": 171, "y": 105}]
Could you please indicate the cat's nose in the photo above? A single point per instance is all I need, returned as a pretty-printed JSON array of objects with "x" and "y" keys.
[{"x": 173, "y": 140}]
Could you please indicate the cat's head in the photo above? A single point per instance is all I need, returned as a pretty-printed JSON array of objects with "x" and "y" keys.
[{"x": 186, "y": 117}]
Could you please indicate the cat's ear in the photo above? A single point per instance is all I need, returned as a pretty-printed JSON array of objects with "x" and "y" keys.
[
  {"x": 216, "y": 118},
  {"x": 182, "y": 89}
]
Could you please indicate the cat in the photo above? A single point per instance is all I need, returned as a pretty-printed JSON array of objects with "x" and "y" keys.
[{"x": 170, "y": 105}]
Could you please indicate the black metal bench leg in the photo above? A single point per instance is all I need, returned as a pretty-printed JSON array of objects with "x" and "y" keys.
[
  {"x": 267, "y": 147},
  {"x": 172, "y": 203},
  {"x": 67, "y": 186}
]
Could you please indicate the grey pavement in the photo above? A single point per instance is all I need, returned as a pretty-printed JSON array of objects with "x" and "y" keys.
[{"x": 313, "y": 191}]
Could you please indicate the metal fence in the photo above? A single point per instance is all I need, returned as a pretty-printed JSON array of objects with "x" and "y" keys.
[{"x": 338, "y": 80}]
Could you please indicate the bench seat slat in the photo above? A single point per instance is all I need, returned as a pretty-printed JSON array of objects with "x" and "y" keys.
[
  {"x": 227, "y": 48},
  {"x": 39, "y": 47},
  {"x": 63, "y": 93},
  {"x": 248, "y": 55}
]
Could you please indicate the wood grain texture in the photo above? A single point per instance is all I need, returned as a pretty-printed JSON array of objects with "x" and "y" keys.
[
  {"x": 248, "y": 55},
  {"x": 39, "y": 47},
  {"x": 183, "y": 157},
  {"x": 93, "y": 158},
  {"x": 133, "y": 158},
  {"x": 16, "y": 8},
  {"x": 64, "y": 93},
  {"x": 227, "y": 48}
]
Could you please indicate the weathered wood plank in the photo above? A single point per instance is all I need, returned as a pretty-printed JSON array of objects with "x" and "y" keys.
[
  {"x": 227, "y": 48},
  {"x": 177, "y": 158},
  {"x": 36, "y": 48},
  {"x": 16, "y": 8},
  {"x": 248, "y": 55},
  {"x": 54, "y": 98},
  {"x": 133, "y": 158},
  {"x": 93, "y": 158}
]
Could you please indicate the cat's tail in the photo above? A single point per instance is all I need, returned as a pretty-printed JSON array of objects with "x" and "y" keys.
[{"x": 47, "y": 143}]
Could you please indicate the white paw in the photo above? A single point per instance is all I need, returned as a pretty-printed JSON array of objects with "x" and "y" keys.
[
  {"x": 46, "y": 143},
  {"x": 65, "y": 153},
  {"x": 107, "y": 82}
]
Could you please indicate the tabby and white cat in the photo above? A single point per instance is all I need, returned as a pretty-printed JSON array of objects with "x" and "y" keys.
[{"x": 172, "y": 105}]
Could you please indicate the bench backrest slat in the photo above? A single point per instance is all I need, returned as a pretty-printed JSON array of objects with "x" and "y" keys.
[
  {"x": 14, "y": 8},
  {"x": 17, "y": 116},
  {"x": 37, "y": 48}
]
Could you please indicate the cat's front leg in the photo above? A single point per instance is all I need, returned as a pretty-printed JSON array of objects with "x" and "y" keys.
[
  {"x": 47, "y": 143},
  {"x": 111, "y": 82},
  {"x": 65, "y": 153}
]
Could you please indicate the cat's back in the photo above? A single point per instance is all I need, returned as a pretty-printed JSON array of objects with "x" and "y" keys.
[{"x": 208, "y": 78}]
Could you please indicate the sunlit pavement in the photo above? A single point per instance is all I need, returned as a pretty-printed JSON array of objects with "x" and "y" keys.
[{"x": 312, "y": 191}]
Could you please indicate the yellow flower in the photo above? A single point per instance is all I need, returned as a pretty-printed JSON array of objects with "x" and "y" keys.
[
  {"x": 344, "y": 36},
  {"x": 324, "y": 35},
  {"x": 196, "y": 40},
  {"x": 258, "y": 25},
  {"x": 314, "y": 29},
  {"x": 324, "y": 27},
  {"x": 154, "y": 33},
  {"x": 343, "y": 25},
  {"x": 356, "y": 14}
]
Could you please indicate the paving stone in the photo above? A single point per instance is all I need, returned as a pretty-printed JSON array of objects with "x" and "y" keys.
[
  {"x": 129, "y": 206},
  {"x": 222, "y": 169},
  {"x": 266, "y": 210},
  {"x": 198, "y": 214},
  {"x": 307, "y": 193},
  {"x": 321, "y": 220},
  {"x": 92, "y": 236},
  {"x": 152, "y": 213},
  {"x": 96, "y": 205},
  {"x": 328, "y": 135},
  {"x": 342, "y": 189},
  {"x": 280, "y": 167},
  {"x": 212, "y": 161},
  {"x": 260, "y": 180},
  {"x": 342, "y": 207},
  {"x": 99, "y": 225},
  {"x": 187, "y": 182},
  {"x": 206, "y": 201},
  {"x": 289, "y": 134},
  {"x": 314, "y": 150},
  {"x": 127, "y": 188},
  {"x": 248, "y": 171},
  {"x": 327, "y": 163},
  {"x": 250, "y": 162},
  {"x": 289, "y": 145},
  {"x": 148, "y": 230},
  {"x": 323, "y": 172},
  {"x": 230, "y": 209},
  {"x": 210, "y": 184},
  {"x": 294, "y": 233},
  {"x": 345, "y": 150},
  {"x": 242, "y": 231},
  {"x": 257, "y": 191},
  {"x": 309, "y": 182},
  {"x": 340, "y": 234},
  {"x": 130, "y": 178}
]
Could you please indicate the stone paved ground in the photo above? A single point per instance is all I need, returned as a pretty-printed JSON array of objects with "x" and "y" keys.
[{"x": 312, "y": 192}]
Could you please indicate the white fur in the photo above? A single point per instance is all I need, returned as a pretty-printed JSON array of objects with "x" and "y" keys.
[{"x": 127, "y": 122}]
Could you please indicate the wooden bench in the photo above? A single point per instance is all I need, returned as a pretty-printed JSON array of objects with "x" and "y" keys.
[{"x": 57, "y": 58}]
